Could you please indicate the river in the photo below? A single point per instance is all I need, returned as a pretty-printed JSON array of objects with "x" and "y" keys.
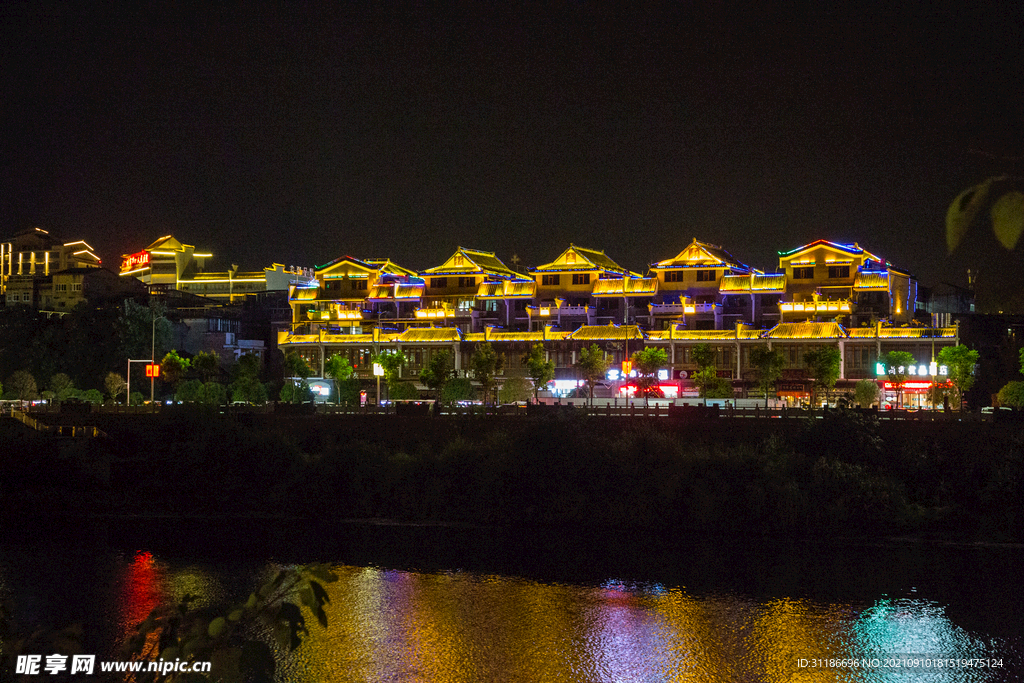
[{"x": 422, "y": 603}]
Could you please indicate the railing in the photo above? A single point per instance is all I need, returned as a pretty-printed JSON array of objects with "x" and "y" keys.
[{"x": 66, "y": 431}]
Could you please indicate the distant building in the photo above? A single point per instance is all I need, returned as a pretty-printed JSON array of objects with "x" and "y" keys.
[
  {"x": 170, "y": 264},
  {"x": 31, "y": 256}
]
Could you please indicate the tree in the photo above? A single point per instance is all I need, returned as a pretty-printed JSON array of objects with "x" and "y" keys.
[
  {"x": 296, "y": 392},
  {"x": 1012, "y": 395},
  {"x": 114, "y": 384},
  {"x": 296, "y": 366},
  {"x": 438, "y": 371},
  {"x": 392, "y": 362},
  {"x": 646, "y": 362},
  {"x": 173, "y": 368},
  {"x": 593, "y": 365},
  {"x": 92, "y": 396},
  {"x": 486, "y": 363},
  {"x": 1022, "y": 361},
  {"x": 457, "y": 389},
  {"x": 706, "y": 377},
  {"x": 538, "y": 368},
  {"x": 514, "y": 390},
  {"x": 61, "y": 386},
  {"x": 865, "y": 392},
  {"x": 403, "y": 391},
  {"x": 824, "y": 364},
  {"x": 190, "y": 391},
  {"x": 340, "y": 370},
  {"x": 206, "y": 365},
  {"x": 214, "y": 394},
  {"x": 896, "y": 369},
  {"x": 768, "y": 363},
  {"x": 960, "y": 362},
  {"x": 246, "y": 385},
  {"x": 23, "y": 385}
]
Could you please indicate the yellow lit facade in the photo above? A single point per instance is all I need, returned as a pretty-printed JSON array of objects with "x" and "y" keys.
[{"x": 168, "y": 264}]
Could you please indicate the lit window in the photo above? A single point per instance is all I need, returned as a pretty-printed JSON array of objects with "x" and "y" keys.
[{"x": 581, "y": 278}]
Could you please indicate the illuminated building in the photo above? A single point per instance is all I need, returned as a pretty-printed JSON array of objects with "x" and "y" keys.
[
  {"x": 586, "y": 287},
  {"x": 168, "y": 264},
  {"x": 705, "y": 287},
  {"x": 349, "y": 294},
  {"x": 29, "y": 258},
  {"x": 828, "y": 280},
  {"x": 452, "y": 287},
  {"x": 826, "y": 294}
]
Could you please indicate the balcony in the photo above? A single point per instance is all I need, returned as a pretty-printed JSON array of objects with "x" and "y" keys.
[{"x": 814, "y": 307}]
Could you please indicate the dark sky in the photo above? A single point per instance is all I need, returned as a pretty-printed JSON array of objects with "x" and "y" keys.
[{"x": 302, "y": 132}]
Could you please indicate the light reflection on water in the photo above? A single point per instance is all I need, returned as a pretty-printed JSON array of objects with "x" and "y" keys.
[
  {"x": 406, "y": 626},
  {"x": 441, "y": 626}
]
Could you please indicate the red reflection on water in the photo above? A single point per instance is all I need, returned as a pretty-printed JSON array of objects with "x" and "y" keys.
[{"x": 141, "y": 589}]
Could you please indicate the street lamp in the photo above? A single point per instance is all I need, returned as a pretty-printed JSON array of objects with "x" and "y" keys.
[{"x": 378, "y": 372}]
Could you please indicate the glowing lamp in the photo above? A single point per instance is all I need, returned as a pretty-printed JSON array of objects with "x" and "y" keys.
[
  {"x": 152, "y": 370},
  {"x": 627, "y": 367},
  {"x": 378, "y": 370}
]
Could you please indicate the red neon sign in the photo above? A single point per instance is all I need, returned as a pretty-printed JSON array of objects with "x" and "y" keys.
[
  {"x": 135, "y": 261},
  {"x": 909, "y": 385},
  {"x": 152, "y": 370}
]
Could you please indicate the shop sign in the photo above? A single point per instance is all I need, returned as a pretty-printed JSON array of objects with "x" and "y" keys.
[
  {"x": 919, "y": 370},
  {"x": 135, "y": 261}
]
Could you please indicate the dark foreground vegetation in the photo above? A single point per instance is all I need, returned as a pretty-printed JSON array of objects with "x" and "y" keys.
[{"x": 844, "y": 475}]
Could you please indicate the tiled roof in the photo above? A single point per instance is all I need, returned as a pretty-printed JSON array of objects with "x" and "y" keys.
[
  {"x": 871, "y": 279},
  {"x": 507, "y": 289},
  {"x": 769, "y": 282},
  {"x": 475, "y": 261},
  {"x": 430, "y": 334},
  {"x": 806, "y": 331},
  {"x": 606, "y": 332},
  {"x": 645, "y": 286},
  {"x": 702, "y": 255},
  {"x": 409, "y": 291},
  {"x": 704, "y": 334},
  {"x": 588, "y": 259},
  {"x": 305, "y": 293},
  {"x": 349, "y": 339}
]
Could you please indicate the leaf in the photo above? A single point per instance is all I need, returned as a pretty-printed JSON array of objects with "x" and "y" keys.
[
  {"x": 321, "y": 615},
  {"x": 169, "y": 653},
  {"x": 306, "y": 596},
  {"x": 216, "y": 627},
  {"x": 251, "y": 604},
  {"x": 236, "y": 615},
  {"x": 1008, "y": 218},
  {"x": 269, "y": 586},
  {"x": 321, "y": 595},
  {"x": 962, "y": 211}
]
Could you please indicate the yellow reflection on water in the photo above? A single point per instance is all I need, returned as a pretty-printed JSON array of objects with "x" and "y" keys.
[{"x": 455, "y": 627}]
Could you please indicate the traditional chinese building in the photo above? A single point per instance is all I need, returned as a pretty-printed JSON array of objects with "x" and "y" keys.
[{"x": 828, "y": 280}]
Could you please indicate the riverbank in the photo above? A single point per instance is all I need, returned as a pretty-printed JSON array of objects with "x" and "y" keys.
[{"x": 846, "y": 474}]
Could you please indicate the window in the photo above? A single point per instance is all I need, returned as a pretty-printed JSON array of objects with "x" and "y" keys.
[
  {"x": 674, "y": 276},
  {"x": 581, "y": 278},
  {"x": 803, "y": 273},
  {"x": 467, "y": 282},
  {"x": 359, "y": 284},
  {"x": 838, "y": 271},
  {"x": 705, "y": 276},
  {"x": 550, "y": 280},
  {"x": 438, "y": 282}
]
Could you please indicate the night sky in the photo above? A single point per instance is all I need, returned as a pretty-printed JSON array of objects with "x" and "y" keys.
[{"x": 304, "y": 132}]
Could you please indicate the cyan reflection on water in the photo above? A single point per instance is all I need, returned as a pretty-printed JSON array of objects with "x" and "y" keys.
[{"x": 390, "y": 625}]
